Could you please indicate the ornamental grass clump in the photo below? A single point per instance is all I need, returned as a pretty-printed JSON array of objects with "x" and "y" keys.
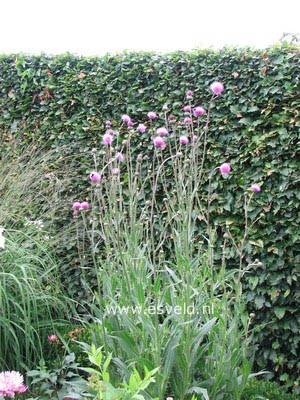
[
  {"x": 32, "y": 297},
  {"x": 165, "y": 297}
]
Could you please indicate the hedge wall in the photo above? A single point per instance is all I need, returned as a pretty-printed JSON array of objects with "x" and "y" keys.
[{"x": 66, "y": 100}]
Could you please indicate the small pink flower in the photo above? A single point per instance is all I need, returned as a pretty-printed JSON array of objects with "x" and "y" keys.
[
  {"x": 130, "y": 123},
  {"x": 152, "y": 115},
  {"x": 217, "y": 87},
  {"x": 198, "y": 111},
  {"x": 225, "y": 168},
  {"x": 110, "y": 132},
  {"x": 11, "y": 382},
  {"x": 75, "y": 214},
  {"x": 85, "y": 205},
  {"x": 255, "y": 188},
  {"x": 162, "y": 131},
  {"x": 107, "y": 139},
  {"x": 141, "y": 128},
  {"x": 52, "y": 338},
  {"x": 187, "y": 120},
  {"x": 189, "y": 93},
  {"x": 115, "y": 171},
  {"x": 76, "y": 205},
  {"x": 184, "y": 139},
  {"x": 159, "y": 142},
  {"x": 108, "y": 123},
  {"x": 187, "y": 109},
  {"x": 120, "y": 157},
  {"x": 126, "y": 118},
  {"x": 95, "y": 177}
]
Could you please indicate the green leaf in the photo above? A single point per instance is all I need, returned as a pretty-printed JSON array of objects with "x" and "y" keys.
[{"x": 279, "y": 312}]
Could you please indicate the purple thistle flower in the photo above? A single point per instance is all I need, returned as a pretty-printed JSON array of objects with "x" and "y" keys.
[
  {"x": 255, "y": 188},
  {"x": 120, "y": 157},
  {"x": 95, "y": 177},
  {"x": 110, "y": 132},
  {"x": 217, "y": 87},
  {"x": 184, "y": 139},
  {"x": 225, "y": 168},
  {"x": 159, "y": 142},
  {"x": 85, "y": 205},
  {"x": 187, "y": 109},
  {"x": 198, "y": 111},
  {"x": 130, "y": 123},
  {"x": 108, "y": 123},
  {"x": 126, "y": 118},
  {"x": 187, "y": 120},
  {"x": 107, "y": 138},
  {"x": 162, "y": 131},
  {"x": 141, "y": 128},
  {"x": 152, "y": 115},
  {"x": 189, "y": 93},
  {"x": 76, "y": 205}
]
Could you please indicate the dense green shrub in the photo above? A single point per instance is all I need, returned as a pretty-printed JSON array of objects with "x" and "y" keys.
[
  {"x": 54, "y": 101},
  {"x": 265, "y": 390}
]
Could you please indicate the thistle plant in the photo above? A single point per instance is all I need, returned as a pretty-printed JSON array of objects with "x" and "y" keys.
[{"x": 161, "y": 299}]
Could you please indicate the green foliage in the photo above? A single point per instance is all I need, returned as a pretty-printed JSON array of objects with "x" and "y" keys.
[
  {"x": 64, "y": 380},
  {"x": 100, "y": 386},
  {"x": 65, "y": 100},
  {"x": 265, "y": 390},
  {"x": 161, "y": 300},
  {"x": 59, "y": 382},
  {"x": 32, "y": 304},
  {"x": 32, "y": 299}
]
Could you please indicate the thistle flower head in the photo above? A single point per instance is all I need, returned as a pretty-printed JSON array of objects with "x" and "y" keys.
[
  {"x": 152, "y": 115},
  {"x": 184, "y": 139},
  {"x": 107, "y": 138},
  {"x": 142, "y": 128},
  {"x": 76, "y": 205},
  {"x": 159, "y": 142},
  {"x": 95, "y": 176},
  {"x": 108, "y": 123},
  {"x": 255, "y": 188},
  {"x": 217, "y": 87},
  {"x": 198, "y": 111},
  {"x": 120, "y": 157},
  {"x": 187, "y": 109},
  {"x": 162, "y": 131},
  {"x": 187, "y": 120},
  {"x": 225, "y": 169},
  {"x": 126, "y": 118},
  {"x": 84, "y": 205}
]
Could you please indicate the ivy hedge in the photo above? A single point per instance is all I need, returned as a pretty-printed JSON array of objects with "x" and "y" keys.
[{"x": 64, "y": 101}]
